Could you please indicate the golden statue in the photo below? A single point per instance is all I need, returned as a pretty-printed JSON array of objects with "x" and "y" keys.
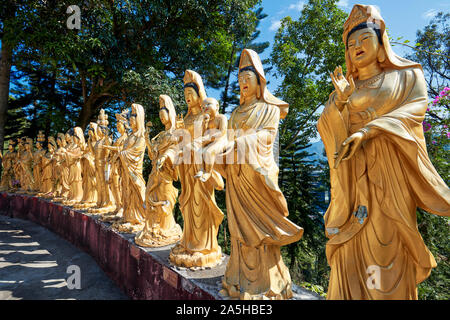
[
  {"x": 17, "y": 168},
  {"x": 198, "y": 246},
  {"x": 26, "y": 164},
  {"x": 379, "y": 168},
  {"x": 105, "y": 200},
  {"x": 61, "y": 170},
  {"x": 48, "y": 174},
  {"x": 88, "y": 170},
  {"x": 214, "y": 139},
  {"x": 73, "y": 156},
  {"x": 132, "y": 158},
  {"x": 160, "y": 196},
  {"x": 256, "y": 208},
  {"x": 116, "y": 167},
  {"x": 8, "y": 168},
  {"x": 37, "y": 162}
]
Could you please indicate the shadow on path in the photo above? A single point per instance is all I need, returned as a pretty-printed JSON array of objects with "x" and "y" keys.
[{"x": 34, "y": 262}]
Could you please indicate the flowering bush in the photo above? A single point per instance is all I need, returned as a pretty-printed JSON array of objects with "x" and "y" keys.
[
  {"x": 435, "y": 229},
  {"x": 437, "y": 134}
]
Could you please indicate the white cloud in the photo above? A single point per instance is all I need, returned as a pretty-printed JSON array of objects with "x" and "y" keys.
[
  {"x": 429, "y": 14},
  {"x": 275, "y": 25},
  {"x": 297, "y": 6},
  {"x": 343, "y": 3}
]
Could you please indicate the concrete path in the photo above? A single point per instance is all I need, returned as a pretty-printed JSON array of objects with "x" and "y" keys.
[{"x": 34, "y": 264}]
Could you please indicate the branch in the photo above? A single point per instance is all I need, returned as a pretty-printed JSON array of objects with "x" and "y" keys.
[
  {"x": 424, "y": 51},
  {"x": 302, "y": 126}
]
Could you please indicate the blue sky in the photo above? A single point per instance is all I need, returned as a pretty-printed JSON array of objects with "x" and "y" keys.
[{"x": 403, "y": 18}]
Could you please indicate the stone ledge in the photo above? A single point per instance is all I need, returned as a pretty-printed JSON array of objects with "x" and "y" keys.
[{"x": 142, "y": 273}]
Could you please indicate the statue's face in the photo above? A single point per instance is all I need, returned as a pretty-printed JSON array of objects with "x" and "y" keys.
[
  {"x": 363, "y": 47},
  {"x": 248, "y": 83},
  {"x": 210, "y": 106},
  {"x": 133, "y": 119},
  {"x": 191, "y": 97},
  {"x": 163, "y": 112},
  {"x": 68, "y": 138},
  {"x": 11, "y": 148},
  {"x": 38, "y": 145}
]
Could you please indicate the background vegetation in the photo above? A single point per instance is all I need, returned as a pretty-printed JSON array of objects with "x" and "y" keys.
[{"x": 53, "y": 78}]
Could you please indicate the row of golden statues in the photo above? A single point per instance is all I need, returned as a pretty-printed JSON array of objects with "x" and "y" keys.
[{"x": 379, "y": 171}]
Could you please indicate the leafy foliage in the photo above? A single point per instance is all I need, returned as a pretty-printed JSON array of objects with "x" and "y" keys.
[
  {"x": 304, "y": 53},
  {"x": 435, "y": 230}
]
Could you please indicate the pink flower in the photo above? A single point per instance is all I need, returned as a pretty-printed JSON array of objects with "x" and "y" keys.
[
  {"x": 426, "y": 126},
  {"x": 445, "y": 126},
  {"x": 433, "y": 142},
  {"x": 448, "y": 135}
]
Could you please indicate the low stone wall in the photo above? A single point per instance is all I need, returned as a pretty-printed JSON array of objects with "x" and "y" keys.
[{"x": 143, "y": 273}]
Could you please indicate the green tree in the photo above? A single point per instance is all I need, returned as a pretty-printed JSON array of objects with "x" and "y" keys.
[
  {"x": 305, "y": 51},
  {"x": 117, "y": 37},
  {"x": 432, "y": 51},
  {"x": 242, "y": 40}
]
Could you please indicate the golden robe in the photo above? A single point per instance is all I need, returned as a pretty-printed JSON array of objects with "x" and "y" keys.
[
  {"x": 201, "y": 215},
  {"x": 73, "y": 159},
  {"x": 256, "y": 208},
  {"x": 47, "y": 173},
  {"x": 160, "y": 226},
  {"x": 371, "y": 220},
  {"x": 132, "y": 158},
  {"x": 89, "y": 176},
  {"x": 8, "y": 170}
]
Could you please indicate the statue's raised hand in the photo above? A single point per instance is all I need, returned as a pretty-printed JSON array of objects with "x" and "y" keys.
[{"x": 344, "y": 87}]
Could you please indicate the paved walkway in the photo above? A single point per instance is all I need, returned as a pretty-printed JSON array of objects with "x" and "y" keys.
[{"x": 34, "y": 263}]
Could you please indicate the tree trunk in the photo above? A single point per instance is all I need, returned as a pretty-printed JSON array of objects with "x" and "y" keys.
[
  {"x": 85, "y": 115},
  {"x": 227, "y": 84},
  {"x": 5, "y": 76}
]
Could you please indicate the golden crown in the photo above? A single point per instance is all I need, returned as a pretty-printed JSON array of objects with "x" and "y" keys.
[
  {"x": 359, "y": 14},
  {"x": 189, "y": 76},
  {"x": 102, "y": 118},
  {"x": 41, "y": 136},
  {"x": 245, "y": 60}
]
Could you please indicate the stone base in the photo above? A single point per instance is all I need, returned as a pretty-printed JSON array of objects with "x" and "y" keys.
[
  {"x": 84, "y": 205},
  {"x": 127, "y": 227},
  {"x": 180, "y": 257},
  {"x": 234, "y": 293},
  {"x": 102, "y": 210},
  {"x": 142, "y": 273},
  {"x": 155, "y": 237}
]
